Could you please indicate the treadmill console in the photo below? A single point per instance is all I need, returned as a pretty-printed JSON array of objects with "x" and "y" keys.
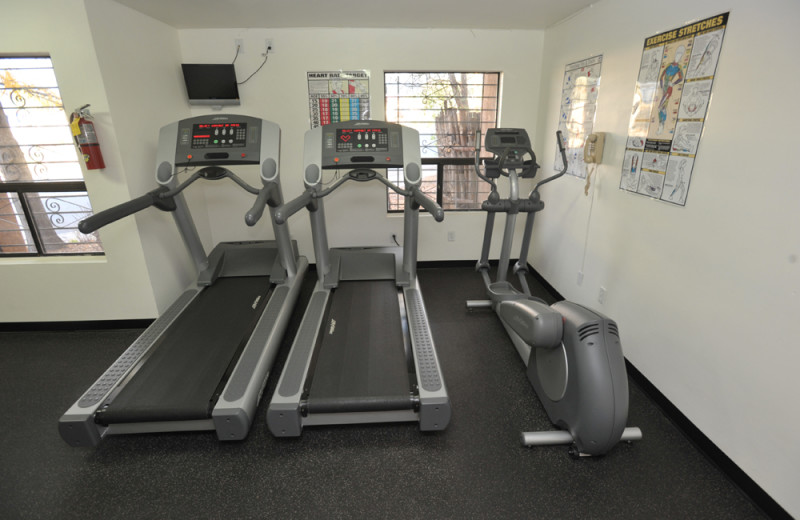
[
  {"x": 354, "y": 144},
  {"x": 218, "y": 141}
]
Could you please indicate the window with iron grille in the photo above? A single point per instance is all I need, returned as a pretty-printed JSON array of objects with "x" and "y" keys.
[
  {"x": 446, "y": 108},
  {"x": 42, "y": 192}
]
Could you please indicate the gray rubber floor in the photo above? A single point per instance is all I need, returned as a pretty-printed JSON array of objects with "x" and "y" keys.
[{"x": 474, "y": 469}]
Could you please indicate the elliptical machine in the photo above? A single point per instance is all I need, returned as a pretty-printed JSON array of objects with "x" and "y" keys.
[{"x": 573, "y": 354}]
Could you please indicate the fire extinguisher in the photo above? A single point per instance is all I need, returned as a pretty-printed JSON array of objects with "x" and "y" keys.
[{"x": 86, "y": 138}]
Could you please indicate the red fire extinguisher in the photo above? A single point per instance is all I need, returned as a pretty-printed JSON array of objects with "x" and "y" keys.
[{"x": 86, "y": 138}]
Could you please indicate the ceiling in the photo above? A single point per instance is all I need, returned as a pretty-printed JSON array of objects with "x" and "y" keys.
[{"x": 454, "y": 14}]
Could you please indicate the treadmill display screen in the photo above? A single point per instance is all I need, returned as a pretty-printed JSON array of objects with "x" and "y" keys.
[
  {"x": 219, "y": 135},
  {"x": 362, "y": 139}
]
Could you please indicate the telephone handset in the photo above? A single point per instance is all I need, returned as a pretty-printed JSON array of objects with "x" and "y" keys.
[{"x": 593, "y": 148}]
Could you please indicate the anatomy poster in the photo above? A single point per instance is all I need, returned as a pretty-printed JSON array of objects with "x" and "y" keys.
[
  {"x": 578, "y": 106},
  {"x": 338, "y": 96},
  {"x": 670, "y": 104}
]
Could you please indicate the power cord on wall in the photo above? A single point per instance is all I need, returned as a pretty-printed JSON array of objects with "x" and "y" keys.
[
  {"x": 266, "y": 57},
  {"x": 589, "y": 172},
  {"x": 589, "y": 217}
]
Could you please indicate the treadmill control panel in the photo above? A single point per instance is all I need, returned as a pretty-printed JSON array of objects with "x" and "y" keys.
[
  {"x": 362, "y": 144},
  {"x": 218, "y": 141},
  {"x": 358, "y": 139},
  {"x": 219, "y": 135}
]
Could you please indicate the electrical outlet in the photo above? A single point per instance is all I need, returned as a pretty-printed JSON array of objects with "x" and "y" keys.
[
  {"x": 451, "y": 236},
  {"x": 238, "y": 46},
  {"x": 269, "y": 46},
  {"x": 601, "y": 296},
  {"x": 580, "y": 277}
]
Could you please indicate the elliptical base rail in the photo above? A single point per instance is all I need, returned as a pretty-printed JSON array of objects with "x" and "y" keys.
[{"x": 563, "y": 437}]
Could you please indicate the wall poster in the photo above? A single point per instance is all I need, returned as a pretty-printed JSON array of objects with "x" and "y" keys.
[
  {"x": 336, "y": 96},
  {"x": 578, "y": 106},
  {"x": 670, "y": 103}
]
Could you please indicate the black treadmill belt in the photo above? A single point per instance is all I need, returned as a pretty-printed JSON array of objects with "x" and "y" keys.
[
  {"x": 178, "y": 381},
  {"x": 361, "y": 361}
]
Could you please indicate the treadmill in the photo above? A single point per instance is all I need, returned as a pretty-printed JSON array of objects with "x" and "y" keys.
[
  {"x": 364, "y": 351},
  {"x": 203, "y": 364}
]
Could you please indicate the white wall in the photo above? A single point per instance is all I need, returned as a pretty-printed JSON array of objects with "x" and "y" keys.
[
  {"x": 356, "y": 214},
  {"x": 71, "y": 289},
  {"x": 127, "y": 66},
  {"x": 139, "y": 60},
  {"x": 704, "y": 294}
]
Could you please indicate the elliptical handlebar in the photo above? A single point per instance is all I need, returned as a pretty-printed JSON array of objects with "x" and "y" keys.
[
  {"x": 562, "y": 150},
  {"x": 478, "y": 159}
]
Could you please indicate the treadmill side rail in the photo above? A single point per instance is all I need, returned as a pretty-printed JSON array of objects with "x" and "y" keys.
[
  {"x": 284, "y": 420},
  {"x": 284, "y": 415},
  {"x": 434, "y": 403},
  {"x": 236, "y": 407},
  {"x": 77, "y": 426},
  {"x": 79, "y": 429}
]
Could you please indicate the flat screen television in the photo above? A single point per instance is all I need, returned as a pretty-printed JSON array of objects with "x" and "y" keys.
[{"x": 211, "y": 84}]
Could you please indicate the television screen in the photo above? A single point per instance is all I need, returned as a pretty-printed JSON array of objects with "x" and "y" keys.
[{"x": 211, "y": 84}]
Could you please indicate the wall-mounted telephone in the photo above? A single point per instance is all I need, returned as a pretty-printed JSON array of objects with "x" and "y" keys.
[{"x": 593, "y": 148}]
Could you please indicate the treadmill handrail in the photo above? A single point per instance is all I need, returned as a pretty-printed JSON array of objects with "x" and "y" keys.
[
  {"x": 162, "y": 198},
  {"x": 114, "y": 213},
  {"x": 283, "y": 212},
  {"x": 269, "y": 195}
]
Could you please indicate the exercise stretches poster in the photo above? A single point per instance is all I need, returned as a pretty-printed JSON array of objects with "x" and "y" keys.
[
  {"x": 670, "y": 104},
  {"x": 578, "y": 106},
  {"x": 338, "y": 96}
]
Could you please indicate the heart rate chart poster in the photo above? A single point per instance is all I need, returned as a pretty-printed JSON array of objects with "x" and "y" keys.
[
  {"x": 336, "y": 96},
  {"x": 670, "y": 104}
]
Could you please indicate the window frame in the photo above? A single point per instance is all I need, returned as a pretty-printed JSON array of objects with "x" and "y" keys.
[
  {"x": 442, "y": 162},
  {"x": 27, "y": 187}
]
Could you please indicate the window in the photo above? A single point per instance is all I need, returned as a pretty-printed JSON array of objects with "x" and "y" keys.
[
  {"x": 42, "y": 193},
  {"x": 446, "y": 108}
]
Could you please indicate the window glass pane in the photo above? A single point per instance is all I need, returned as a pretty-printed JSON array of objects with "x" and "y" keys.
[
  {"x": 56, "y": 216},
  {"x": 428, "y": 185},
  {"x": 462, "y": 189},
  {"x": 446, "y": 108},
  {"x": 15, "y": 235},
  {"x": 35, "y": 140},
  {"x": 37, "y": 146},
  {"x": 394, "y": 201}
]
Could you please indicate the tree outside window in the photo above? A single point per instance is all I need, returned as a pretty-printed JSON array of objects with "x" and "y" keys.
[{"x": 446, "y": 108}]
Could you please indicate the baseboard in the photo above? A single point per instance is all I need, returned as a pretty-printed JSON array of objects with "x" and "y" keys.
[
  {"x": 753, "y": 491},
  {"x": 539, "y": 278},
  {"x": 749, "y": 487},
  {"x": 61, "y": 326},
  {"x": 443, "y": 264}
]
